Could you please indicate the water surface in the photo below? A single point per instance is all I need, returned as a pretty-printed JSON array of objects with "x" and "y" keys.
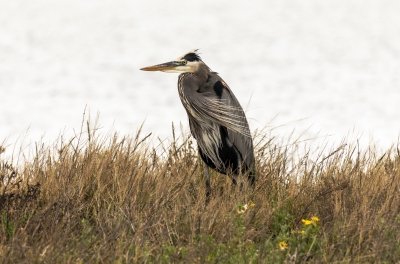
[{"x": 332, "y": 64}]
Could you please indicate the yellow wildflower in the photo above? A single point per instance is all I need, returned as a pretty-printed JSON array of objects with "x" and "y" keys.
[
  {"x": 252, "y": 204},
  {"x": 301, "y": 232},
  {"x": 282, "y": 245},
  {"x": 306, "y": 222},
  {"x": 315, "y": 219}
]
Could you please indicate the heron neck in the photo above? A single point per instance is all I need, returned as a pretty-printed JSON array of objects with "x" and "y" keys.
[
  {"x": 202, "y": 72},
  {"x": 190, "y": 82}
]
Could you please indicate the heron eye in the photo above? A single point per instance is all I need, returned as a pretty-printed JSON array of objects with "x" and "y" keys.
[{"x": 184, "y": 62}]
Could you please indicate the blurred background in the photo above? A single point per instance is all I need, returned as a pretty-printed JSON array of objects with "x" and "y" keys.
[{"x": 321, "y": 68}]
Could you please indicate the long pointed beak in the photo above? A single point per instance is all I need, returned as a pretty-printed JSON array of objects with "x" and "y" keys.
[{"x": 161, "y": 67}]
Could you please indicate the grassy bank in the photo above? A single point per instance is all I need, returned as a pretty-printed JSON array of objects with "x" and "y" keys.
[{"x": 115, "y": 199}]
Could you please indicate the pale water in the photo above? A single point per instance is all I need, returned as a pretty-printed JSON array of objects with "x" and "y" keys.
[{"x": 335, "y": 63}]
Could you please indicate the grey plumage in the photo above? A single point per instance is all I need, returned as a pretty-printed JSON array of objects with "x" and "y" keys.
[{"x": 216, "y": 118}]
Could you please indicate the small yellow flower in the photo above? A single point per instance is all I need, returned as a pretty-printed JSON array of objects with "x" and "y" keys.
[
  {"x": 315, "y": 219},
  {"x": 306, "y": 222},
  {"x": 301, "y": 232},
  {"x": 252, "y": 204},
  {"x": 282, "y": 245}
]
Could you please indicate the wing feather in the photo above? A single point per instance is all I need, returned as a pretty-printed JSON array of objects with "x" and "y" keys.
[{"x": 224, "y": 109}]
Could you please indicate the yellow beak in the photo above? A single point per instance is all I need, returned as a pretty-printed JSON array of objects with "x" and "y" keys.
[{"x": 161, "y": 67}]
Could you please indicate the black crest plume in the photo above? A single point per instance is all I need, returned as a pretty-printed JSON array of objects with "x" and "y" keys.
[{"x": 192, "y": 56}]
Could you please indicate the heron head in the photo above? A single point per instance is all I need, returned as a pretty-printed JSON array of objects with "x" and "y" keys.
[{"x": 188, "y": 62}]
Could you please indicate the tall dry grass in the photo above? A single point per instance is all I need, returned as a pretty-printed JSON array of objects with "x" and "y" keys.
[{"x": 109, "y": 199}]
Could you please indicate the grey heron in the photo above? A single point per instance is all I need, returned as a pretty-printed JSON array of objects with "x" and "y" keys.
[{"x": 216, "y": 119}]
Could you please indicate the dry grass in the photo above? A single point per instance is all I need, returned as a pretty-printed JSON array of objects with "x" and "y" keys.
[{"x": 115, "y": 199}]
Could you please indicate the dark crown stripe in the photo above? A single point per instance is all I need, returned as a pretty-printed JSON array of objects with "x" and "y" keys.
[{"x": 192, "y": 57}]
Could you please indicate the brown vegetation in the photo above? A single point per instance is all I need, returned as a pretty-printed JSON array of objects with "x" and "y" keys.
[{"x": 116, "y": 199}]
